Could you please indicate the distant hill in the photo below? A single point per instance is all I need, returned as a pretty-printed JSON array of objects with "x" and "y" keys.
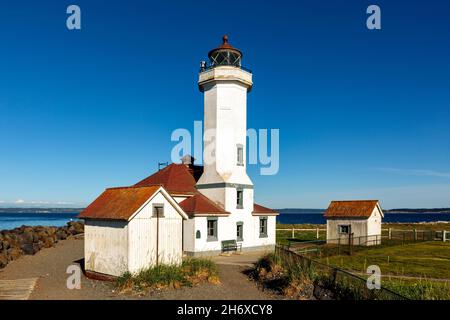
[
  {"x": 41, "y": 210},
  {"x": 420, "y": 210},
  {"x": 299, "y": 211},
  {"x": 399, "y": 210}
]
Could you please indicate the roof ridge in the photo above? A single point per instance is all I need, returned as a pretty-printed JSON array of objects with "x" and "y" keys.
[
  {"x": 354, "y": 200},
  {"x": 134, "y": 187}
]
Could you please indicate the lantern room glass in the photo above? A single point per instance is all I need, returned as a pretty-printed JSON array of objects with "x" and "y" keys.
[{"x": 225, "y": 58}]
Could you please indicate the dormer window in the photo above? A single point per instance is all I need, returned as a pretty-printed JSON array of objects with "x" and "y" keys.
[{"x": 240, "y": 154}]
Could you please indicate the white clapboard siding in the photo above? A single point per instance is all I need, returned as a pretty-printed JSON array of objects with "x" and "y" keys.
[
  {"x": 142, "y": 236},
  {"x": 105, "y": 246}
]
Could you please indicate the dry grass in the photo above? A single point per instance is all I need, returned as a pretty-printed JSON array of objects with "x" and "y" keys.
[{"x": 190, "y": 272}]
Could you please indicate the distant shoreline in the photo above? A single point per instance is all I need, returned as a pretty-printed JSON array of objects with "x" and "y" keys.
[
  {"x": 386, "y": 211},
  {"x": 41, "y": 210}
]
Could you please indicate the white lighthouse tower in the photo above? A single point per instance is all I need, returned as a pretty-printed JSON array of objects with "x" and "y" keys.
[{"x": 225, "y": 85}]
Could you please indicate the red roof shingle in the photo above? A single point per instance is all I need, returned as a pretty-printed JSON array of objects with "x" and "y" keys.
[
  {"x": 351, "y": 208},
  {"x": 118, "y": 203},
  {"x": 175, "y": 178},
  {"x": 201, "y": 205},
  {"x": 261, "y": 211}
]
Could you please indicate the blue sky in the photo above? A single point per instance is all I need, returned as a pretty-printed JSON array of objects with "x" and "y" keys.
[{"x": 362, "y": 114}]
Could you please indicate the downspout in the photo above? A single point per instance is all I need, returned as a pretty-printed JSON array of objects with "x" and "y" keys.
[{"x": 157, "y": 237}]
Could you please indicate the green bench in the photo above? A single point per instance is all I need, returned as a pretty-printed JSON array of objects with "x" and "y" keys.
[{"x": 231, "y": 245}]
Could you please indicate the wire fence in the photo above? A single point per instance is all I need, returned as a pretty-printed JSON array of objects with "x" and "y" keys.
[
  {"x": 347, "y": 244},
  {"x": 343, "y": 284}
]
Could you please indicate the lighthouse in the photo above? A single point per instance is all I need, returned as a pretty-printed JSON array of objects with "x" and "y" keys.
[
  {"x": 225, "y": 85},
  {"x": 195, "y": 216}
]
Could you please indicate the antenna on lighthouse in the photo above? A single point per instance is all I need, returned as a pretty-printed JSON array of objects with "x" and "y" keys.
[{"x": 160, "y": 164}]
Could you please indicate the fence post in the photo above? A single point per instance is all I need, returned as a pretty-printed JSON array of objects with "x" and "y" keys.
[
  {"x": 293, "y": 233},
  {"x": 317, "y": 233},
  {"x": 415, "y": 234},
  {"x": 443, "y": 235},
  {"x": 389, "y": 233}
]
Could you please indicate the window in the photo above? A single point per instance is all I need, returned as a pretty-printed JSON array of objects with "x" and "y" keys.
[
  {"x": 344, "y": 229},
  {"x": 263, "y": 227},
  {"x": 240, "y": 155},
  {"x": 158, "y": 210},
  {"x": 240, "y": 231},
  {"x": 239, "y": 198},
  {"x": 198, "y": 235},
  {"x": 212, "y": 229}
]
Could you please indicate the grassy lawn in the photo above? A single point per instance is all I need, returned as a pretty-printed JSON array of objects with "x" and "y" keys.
[
  {"x": 283, "y": 236},
  {"x": 418, "y": 226},
  {"x": 427, "y": 259},
  {"x": 419, "y": 289}
]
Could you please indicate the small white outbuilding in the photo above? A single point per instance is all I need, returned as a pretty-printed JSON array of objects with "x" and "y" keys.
[
  {"x": 130, "y": 229},
  {"x": 357, "y": 222}
]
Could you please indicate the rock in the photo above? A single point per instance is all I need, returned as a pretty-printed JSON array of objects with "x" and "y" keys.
[
  {"x": 14, "y": 253},
  {"x": 75, "y": 227},
  {"x": 48, "y": 242},
  {"x": 3, "y": 260},
  {"x": 29, "y": 240},
  {"x": 61, "y": 234},
  {"x": 322, "y": 293},
  {"x": 28, "y": 248},
  {"x": 26, "y": 237},
  {"x": 5, "y": 244}
]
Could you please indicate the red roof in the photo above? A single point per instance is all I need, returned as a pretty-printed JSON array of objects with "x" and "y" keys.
[
  {"x": 261, "y": 211},
  {"x": 351, "y": 208},
  {"x": 201, "y": 205},
  {"x": 175, "y": 178},
  {"x": 224, "y": 46},
  {"x": 118, "y": 203}
]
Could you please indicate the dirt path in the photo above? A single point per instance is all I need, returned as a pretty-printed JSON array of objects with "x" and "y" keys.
[{"x": 49, "y": 266}]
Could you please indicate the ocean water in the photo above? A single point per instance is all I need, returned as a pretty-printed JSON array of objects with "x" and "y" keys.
[
  {"x": 14, "y": 220},
  {"x": 317, "y": 218}
]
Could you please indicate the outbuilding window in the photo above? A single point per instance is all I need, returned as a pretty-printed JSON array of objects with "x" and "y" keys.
[
  {"x": 158, "y": 210},
  {"x": 263, "y": 227},
  {"x": 212, "y": 229},
  {"x": 344, "y": 229},
  {"x": 240, "y": 231},
  {"x": 239, "y": 198}
]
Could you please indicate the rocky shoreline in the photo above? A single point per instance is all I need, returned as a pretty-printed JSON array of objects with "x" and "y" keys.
[{"x": 27, "y": 240}]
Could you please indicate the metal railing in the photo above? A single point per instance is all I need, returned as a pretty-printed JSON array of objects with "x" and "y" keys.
[
  {"x": 212, "y": 66},
  {"x": 343, "y": 284}
]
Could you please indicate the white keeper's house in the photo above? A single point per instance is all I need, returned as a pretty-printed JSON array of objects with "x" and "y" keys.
[{"x": 186, "y": 209}]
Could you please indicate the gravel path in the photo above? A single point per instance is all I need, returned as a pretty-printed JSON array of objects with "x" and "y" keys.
[{"x": 50, "y": 265}]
